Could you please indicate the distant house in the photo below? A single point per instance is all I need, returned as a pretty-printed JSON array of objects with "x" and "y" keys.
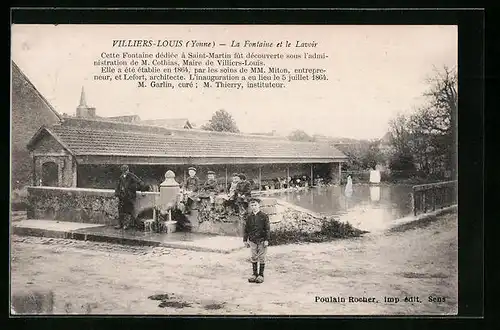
[
  {"x": 272, "y": 133},
  {"x": 175, "y": 123},
  {"x": 29, "y": 111},
  {"x": 134, "y": 119}
]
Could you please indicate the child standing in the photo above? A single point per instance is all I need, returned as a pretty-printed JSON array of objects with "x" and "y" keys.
[{"x": 256, "y": 237}]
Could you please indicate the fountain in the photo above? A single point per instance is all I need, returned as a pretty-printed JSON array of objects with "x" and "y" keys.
[{"x": 169, "y": 194}]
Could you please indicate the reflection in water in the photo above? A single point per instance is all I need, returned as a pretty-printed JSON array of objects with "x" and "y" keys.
[
  {"x": 375, "y": 193},
  {"x": 367, "y": 207}
]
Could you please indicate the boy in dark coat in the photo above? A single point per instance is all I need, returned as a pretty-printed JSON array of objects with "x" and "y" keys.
[
  {"x": 126, "y": 189},
  {"x": 191, "y": 186},
  {"x": 256, "y": 236},
  {"x": 243, "y": 193},
  {"x": 211, "y": 185}
]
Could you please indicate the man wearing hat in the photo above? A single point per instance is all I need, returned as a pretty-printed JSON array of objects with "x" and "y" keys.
[
  {"x": 243, "y": 192},
  {"x": 191, "y": 186},
  {"x": 211, "y": 186},
  {"x": 126, "y": 189},
  {"x": 232, "y": 195}
]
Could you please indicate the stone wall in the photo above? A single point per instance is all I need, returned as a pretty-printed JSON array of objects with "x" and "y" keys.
[
  {"x": 100, "y": 206},
  {"x": 80, "y": 205},
  {"x": 29, "y": 111}
]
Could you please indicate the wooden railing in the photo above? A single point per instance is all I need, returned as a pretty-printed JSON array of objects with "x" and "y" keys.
[{"x": 432, "y": 196}]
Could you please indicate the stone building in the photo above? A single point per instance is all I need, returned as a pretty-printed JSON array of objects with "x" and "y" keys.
[
  {"x": 85, "y": 152},
  {"x": 29, "y": 111}
]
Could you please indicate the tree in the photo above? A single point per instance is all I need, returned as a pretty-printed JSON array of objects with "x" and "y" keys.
[
  {"x": 443, "y": 96},
  {"x": 402, "y": 164},
  {"x": 373, "y": 156},
  {"x": 221, "y": 121},
  {"x": 362, "y": 155},
  {"x": 299, "y": 135},
  {"x": 429, "y": 134}
]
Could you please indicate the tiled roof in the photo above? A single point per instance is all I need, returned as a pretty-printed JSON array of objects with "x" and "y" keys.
[
  {"x": 95, "y": 141},
  {"x": 125, "y": 119}
]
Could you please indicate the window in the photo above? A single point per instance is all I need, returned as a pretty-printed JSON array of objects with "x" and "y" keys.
[{"x": 50, "y": 174}]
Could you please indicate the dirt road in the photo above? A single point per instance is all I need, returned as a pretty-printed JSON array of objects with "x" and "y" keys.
[{"x": 312, "y": 279}]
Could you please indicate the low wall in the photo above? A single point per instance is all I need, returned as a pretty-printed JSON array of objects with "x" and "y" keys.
[
  {"x": 100, "y": 206},
  {"x": 80, "y": 204}
]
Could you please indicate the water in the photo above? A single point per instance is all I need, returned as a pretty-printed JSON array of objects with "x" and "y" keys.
[{"x": 367, "y": 207}]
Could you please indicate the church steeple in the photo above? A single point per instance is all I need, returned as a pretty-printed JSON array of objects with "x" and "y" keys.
[
  {"x": 83, "y": 101},
  {"x": 83, "y": 110}
]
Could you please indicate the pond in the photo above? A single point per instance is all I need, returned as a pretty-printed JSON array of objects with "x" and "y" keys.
[{"x": 370, "y": 207}]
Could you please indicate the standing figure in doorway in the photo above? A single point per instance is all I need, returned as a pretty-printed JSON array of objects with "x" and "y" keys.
[{"x": 126, "y": 189}]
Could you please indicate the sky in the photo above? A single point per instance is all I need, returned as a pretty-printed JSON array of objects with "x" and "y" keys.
[{"x": 375, "y": 72}]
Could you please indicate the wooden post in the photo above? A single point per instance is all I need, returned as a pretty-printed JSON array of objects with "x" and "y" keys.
[
  {"x": 433, "y": 191},
  {"x": 287, "y": 176},
  {"x": 154, "y": 206},
  {"x": 414, "y": 201},
  {"x": 225, "y": 187},
  {"x": 424, "y": 200},
  {"x": 260, "y": 178},
  {"x": 340, "y": 173},
  {"x": 312, "y": 175}
]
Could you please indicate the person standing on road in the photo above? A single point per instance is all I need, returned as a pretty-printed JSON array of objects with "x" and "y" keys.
[
  {"x": 126, "y": 189},
  {"x": 256, "y": 237}
]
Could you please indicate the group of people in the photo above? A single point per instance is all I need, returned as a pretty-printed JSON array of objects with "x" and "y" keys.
[
  {"x": 235, "y": 201},
  {"x": 256, "y": 234}
]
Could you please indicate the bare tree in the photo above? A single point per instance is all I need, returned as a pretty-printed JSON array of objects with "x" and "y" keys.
[
  {"x": 429, "y": 134},
  {"x": 443, "y": 97},
  {"x": 399, "y": 133}
]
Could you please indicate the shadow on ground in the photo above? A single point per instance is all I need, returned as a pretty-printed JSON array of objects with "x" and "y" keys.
[{"x": 170, "y": 300}]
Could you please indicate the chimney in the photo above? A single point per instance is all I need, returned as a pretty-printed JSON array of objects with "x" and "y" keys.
[{"x": 83, "y": 110}]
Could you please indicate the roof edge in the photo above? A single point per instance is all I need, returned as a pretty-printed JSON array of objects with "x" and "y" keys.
[
  {"x": 205, "y": 156},
  {"x": 44, "y": 129},
  {"x": 37, "y": 92},
  {"x": 264, "y": 137}
]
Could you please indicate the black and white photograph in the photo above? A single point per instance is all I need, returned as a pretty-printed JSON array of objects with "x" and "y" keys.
[{"x": 234, "y": 169}]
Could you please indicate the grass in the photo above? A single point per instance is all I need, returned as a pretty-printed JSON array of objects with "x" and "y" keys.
[{"x": 331, "y": 229}]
